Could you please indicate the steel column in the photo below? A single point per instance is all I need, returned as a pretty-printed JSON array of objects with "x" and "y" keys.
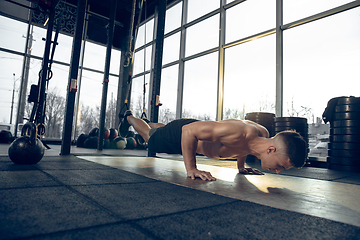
[
  {"x": 81, "y": 66},
  {"x": 220, "y": 95},
  {"x": 74, "y": 67},
  {"x": 180, "y": 89},
  {"x": 279, "y": 59},
  {"x": 159, "y": 42},
  {"x": 106, "y": 74}
]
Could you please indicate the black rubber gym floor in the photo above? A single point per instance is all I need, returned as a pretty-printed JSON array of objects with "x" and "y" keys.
[{"x": 65, "y": 197}]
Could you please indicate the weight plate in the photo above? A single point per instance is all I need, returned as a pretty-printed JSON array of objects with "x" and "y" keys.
[
  {"x": 344, "y": 161},
  {"x": 345, "y": 138},
  {"x": 344, "y": 167},
  {"x": 260, "y": 114},
  {"x": 343, "y": 131},
  {"x": 344, "y": 145},
  {"x": 345, "y": 123},
  {"x": 348, "y": 100},
  {"x": 290, "y": 119},
  {"x": 348, "y": 108},
  {"x": 265, "y": 119},
  {"x": 347, "y": 115},
  {"x": 290, "y": 124},
  {"x": 343, "y": 153}
]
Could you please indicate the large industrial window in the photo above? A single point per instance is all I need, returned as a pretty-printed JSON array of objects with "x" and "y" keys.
[
  {"x": 249, "y": 18},
  {"x": 139, "y": 65},
  {"x": 171, "y": 48},
  {"x": 202, "y": 36},
  {"x": 9, "y": 64},
  {"x": 200, "y": 88},
  {"x": 198, "y": 8},
  {"x": 145, "y": 33},
  {"x": 250, "y": 78},
  {"x": 321, "y": 62},
  {"x": 173, "y": 18},
  {"x": 64, "y": 48},
  {"x": 89, "y": 82},
  {"x": 295, "y": 10},
  {"x": 141, "y": 68},
  {"x": 37, "y": 44},
  {"x": 137, "y": 94},
  {"x": 12, "y": 34},
  {"x": 94, "y": 56},
  {"x": 115, "y": 62},
  {"x": 168, "y": 93}
]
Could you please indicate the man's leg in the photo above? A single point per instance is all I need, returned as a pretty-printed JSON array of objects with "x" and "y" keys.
[
  {"x": 140, "y": 126},
  {"x": 151, "y": 124},
  {"x": 155, "y": 125}
]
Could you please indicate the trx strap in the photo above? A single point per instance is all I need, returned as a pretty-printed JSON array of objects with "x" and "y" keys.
[
  {"x": 143, "y": 115},
  {"x": 129, "y": 61}
]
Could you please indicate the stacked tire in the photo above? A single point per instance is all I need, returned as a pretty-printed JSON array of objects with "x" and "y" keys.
[
  {"x": 344, "y": 145},
  {"x": 298, "y": 124},
  {"x": 264, "y": 119}
]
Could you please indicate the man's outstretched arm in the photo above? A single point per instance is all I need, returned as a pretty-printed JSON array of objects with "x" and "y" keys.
[{"x": 189, "y": 143}]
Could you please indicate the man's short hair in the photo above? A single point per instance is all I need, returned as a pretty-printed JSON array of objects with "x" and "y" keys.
[{"x": 295, "y": 147}]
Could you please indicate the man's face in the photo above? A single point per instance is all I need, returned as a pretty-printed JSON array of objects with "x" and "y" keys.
[{"x": 276, "y": 162}]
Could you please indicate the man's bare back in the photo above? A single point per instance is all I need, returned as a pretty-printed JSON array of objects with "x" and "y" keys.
[
  {"x": 235, "y": 137},
  {"x": 229, "y": 138}
]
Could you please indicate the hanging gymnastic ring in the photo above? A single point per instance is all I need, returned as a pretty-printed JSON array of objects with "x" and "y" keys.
[{"x": 49, "y": 76}]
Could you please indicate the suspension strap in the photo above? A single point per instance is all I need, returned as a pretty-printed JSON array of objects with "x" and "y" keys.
[{"x": 129, "y": 61}]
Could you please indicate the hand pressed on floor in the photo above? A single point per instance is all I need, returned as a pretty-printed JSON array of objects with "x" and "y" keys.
[{"x": 195, "y": 173}]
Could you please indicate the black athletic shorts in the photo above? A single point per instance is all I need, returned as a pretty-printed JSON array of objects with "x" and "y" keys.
[{"x": 167, "y": 139}]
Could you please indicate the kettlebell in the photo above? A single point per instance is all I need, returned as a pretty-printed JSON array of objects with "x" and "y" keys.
[{"x": 27, "y": 149}]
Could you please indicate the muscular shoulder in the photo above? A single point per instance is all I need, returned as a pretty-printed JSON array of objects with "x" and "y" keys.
[
  {"x": 239, "y": 128},
  {"x": 261, "y": 130}
]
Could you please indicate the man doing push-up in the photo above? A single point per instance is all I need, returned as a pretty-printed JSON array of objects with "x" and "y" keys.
[{"x": 225, "y": 139}]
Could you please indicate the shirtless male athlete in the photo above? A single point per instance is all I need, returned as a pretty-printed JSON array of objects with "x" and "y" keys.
[{"x": 225, "y": 139}]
